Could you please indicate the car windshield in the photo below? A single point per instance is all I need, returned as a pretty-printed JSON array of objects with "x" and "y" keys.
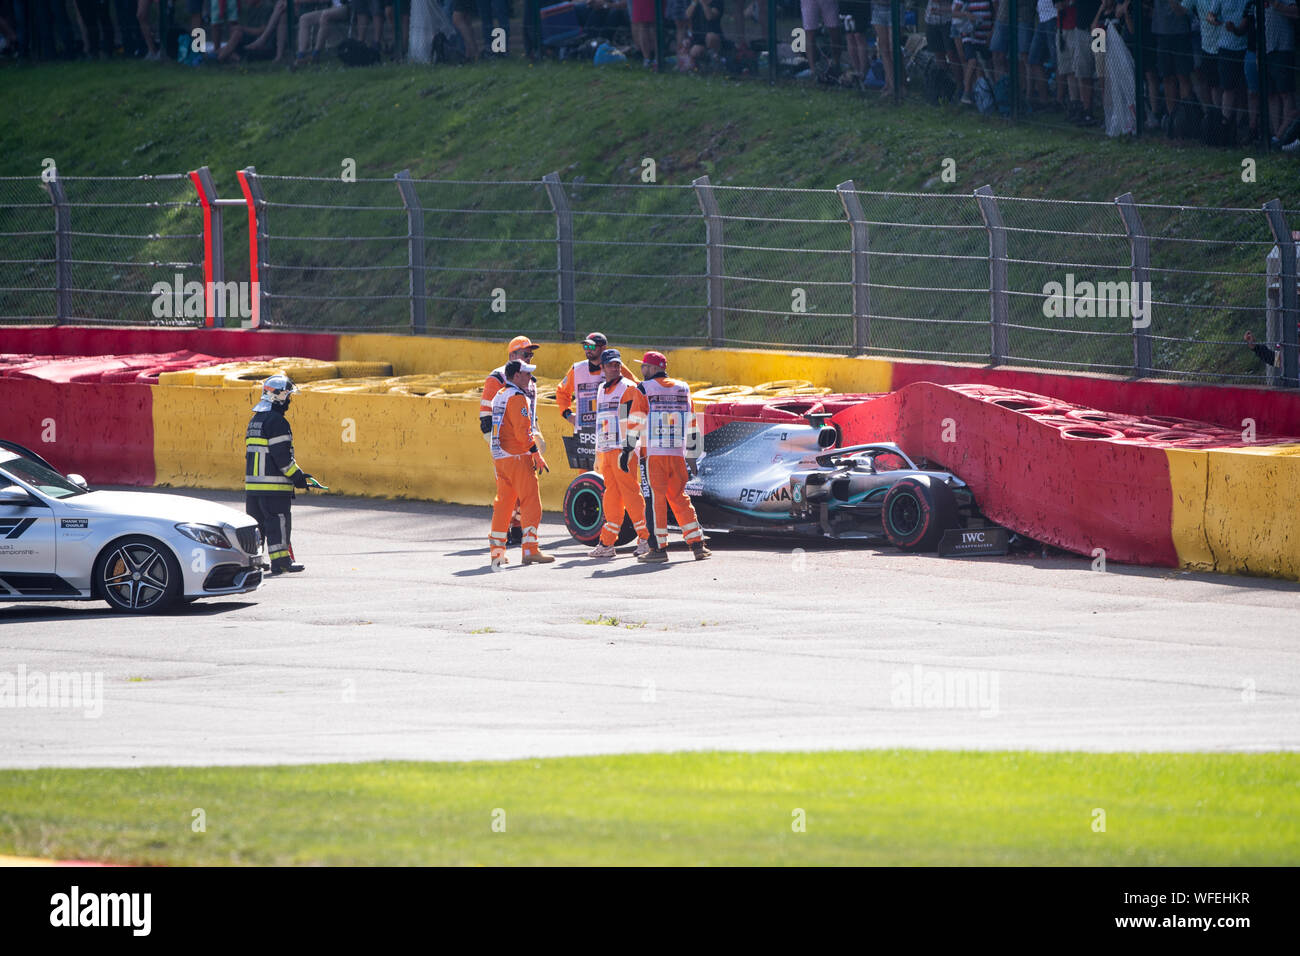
[{"x": 45, "y": 480}]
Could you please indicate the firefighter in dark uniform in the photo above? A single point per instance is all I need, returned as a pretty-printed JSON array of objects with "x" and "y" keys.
[{"x": 270, "y": 473}]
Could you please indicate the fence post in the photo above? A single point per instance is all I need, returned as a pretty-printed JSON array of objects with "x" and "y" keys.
[
  {"x": 62, "y": 248},
  {"x": 214, "y": 260},
  {"x": 251, "y": 186},
  {"x": 414, "y": 249},
  {"x": 1287, "y": 298},
  {"x": 861, "y": 268},
  {"x": 1139, "y": 301},
  {"x": 564, "y": 253},
  {"x": 713, "y": 243},
  {"x": 999, "y": 301}
]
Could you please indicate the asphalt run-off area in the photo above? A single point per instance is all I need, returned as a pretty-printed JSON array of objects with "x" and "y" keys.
[{"x": 399, "y": 642}]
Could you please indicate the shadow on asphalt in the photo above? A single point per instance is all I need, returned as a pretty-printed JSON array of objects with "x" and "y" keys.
[{"x": 99, "y": 612}]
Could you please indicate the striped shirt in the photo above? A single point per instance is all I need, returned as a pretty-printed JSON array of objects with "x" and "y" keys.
[
  {"x": 1279, "y": 32},
  {"x": 1210, "y": 33}
]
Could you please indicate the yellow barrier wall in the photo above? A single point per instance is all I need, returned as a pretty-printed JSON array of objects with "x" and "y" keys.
[
  {"x": 1238, "y": 509},
  {"x": 415, "y": 355},
  {"x": 198, "y": 435},
  {"x": 374, "y": 445}
]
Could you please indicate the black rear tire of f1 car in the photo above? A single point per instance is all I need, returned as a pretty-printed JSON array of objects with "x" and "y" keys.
[
  {"x": 917, "y": 511},
  {"x": 584, "y": 510}
]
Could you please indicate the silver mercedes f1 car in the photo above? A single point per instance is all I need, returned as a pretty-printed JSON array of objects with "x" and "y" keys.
[{"x": 785, "y": 479}]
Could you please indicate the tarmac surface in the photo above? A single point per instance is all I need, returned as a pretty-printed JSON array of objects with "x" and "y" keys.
[{"x": 399, "y": 642}]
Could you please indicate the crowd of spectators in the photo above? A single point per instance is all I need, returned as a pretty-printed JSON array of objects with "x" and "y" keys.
[{"x": 1201, "y": 58}]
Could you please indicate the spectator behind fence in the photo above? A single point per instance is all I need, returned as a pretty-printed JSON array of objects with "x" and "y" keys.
[
  {"x": 1207, "y": 72},
  {"x": 938, "y": 36},
  {"x": 643, "y": 29},
  {"x": 1279, "y": 41},
  {"x": 1042, "y": 55},
  {"x": 1229, "y": 16},
  {"x": 223, "y": 27},
  {"x": 462, "y": 18},
  {"x": 251, "y": 38},
  {"x": 1000, "y": 42},
  {"x": 706, "y": 28},
  {"x": 499, "y": 10},
  {"x": 602, "y": 18},
  {"x": 318, "y": 20},
  {"x": 369, "y": 20},
  {"x": 401, "y": 31},
  {"x": 1081, "y": 55},
  {"x": 1173, "y": 35},
  {"x": 96, "y": 27},
  {"x": 880, "y": 19},
  {"x": 822, "y": 14},
  {"x": 979, "y": 14},
  {"x": 855, "y": 21}
]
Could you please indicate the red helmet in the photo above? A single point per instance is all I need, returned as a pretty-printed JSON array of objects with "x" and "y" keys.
[{"x": 654, "y": 358}]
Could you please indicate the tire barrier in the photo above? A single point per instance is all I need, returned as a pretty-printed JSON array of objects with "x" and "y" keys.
[{"x": 1156, "y": 490}]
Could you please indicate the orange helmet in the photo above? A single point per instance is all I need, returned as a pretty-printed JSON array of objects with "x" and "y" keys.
[{"x": 519, "y": 342}]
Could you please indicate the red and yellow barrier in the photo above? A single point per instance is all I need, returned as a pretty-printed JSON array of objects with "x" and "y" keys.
[{"x": 1225, "y": 509}]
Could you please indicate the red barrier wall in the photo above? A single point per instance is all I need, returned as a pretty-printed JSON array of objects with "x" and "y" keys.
[
  {"x": 1275, "y": 411},
  {"x": 227, "y": 343},
  {"x": 104, "y": 432},
  {"x": 1074, "y": 494}
]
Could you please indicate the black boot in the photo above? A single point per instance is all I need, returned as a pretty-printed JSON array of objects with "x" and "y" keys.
[{"x": 515, "y": 536}]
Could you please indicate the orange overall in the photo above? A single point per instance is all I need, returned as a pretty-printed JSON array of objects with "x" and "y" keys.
[
  {"x": 668, "y": 420},
  {"x": 512, "y": 441},
  {"x": 620, "y": 412}
]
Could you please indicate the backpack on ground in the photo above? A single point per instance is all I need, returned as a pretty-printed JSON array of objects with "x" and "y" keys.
[{"x": 355, "y": 53}]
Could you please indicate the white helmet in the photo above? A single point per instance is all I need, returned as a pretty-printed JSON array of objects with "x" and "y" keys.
[{"x": 277, "y": 389}]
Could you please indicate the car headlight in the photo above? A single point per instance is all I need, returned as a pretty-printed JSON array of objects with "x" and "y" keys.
[{"x": 205, "y": 534}]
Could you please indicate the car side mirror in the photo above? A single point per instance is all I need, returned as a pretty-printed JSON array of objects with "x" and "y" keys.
[
  {"x": 14, "y": 495},
  {"x": 79, "y": 482}
]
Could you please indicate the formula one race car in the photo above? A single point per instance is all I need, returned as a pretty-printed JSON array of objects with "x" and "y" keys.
[{"x": 787, "y": 478}]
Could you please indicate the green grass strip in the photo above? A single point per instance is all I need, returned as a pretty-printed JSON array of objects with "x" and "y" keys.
[{"x": 856, "y": 807}]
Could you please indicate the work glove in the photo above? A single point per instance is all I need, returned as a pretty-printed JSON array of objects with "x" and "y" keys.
[
  {"x": 299, "y": 478},
  {"x": 539, "y": 463},
  {"x": 485, "y": 423},
  {"x": 568, "y": 414},
  {"x": 623, "y": 457}
]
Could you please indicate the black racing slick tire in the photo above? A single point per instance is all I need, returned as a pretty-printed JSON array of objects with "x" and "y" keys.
[
  {"x": 917, "y": 511},
  {"x": 137, "y": 575},
  {"x": 584, "y": 510}
]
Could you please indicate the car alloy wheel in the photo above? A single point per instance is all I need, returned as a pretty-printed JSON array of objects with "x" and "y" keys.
[{"x": 137, "y": 575}]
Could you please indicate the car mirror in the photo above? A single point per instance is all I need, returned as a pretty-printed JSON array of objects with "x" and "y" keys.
[
  {"x": 14, "y": 495},
  {"x": 79, "y": 482}
]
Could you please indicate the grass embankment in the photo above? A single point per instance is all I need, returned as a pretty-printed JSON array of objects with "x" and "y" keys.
[
  {"x": 870, "y": 807},
  {"x": 512, "y": 121}
]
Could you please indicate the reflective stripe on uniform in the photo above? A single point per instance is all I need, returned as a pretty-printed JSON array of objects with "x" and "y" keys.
[
  {"x": 278, "y": 439},
  {"x": 293, "y": 468},
  {"x": 257, "y": 441},
  {"x": 260, "y": 486},
  {"x": 278, "y": 554}
]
